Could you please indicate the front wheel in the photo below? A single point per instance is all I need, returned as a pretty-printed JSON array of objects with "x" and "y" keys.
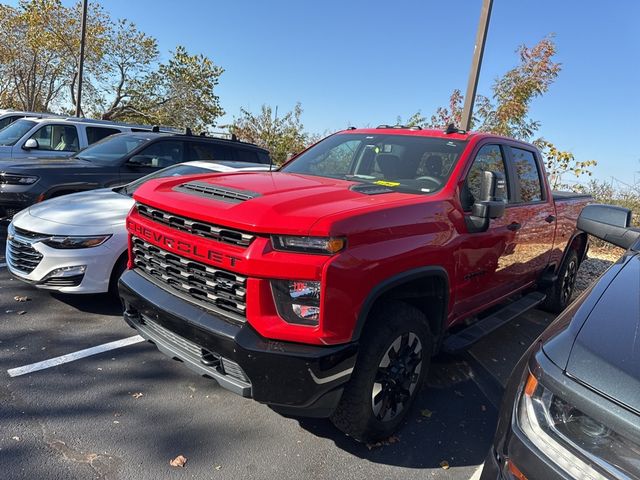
[{"x": 393, "y": 362}]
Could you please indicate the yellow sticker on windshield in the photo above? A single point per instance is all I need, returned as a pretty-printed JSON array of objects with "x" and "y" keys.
[{"x": 387, "y": 184}]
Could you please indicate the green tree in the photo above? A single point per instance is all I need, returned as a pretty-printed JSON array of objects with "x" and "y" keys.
[
  {"x": 180, "y": 92},
  {"x": 282, "y": 135}
]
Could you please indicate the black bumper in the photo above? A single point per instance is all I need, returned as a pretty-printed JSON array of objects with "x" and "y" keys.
[
  {"x": 13, "y": 202},
  {"x": 294, "y": 378}
]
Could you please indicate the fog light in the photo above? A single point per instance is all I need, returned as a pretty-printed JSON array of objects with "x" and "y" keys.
[
  {"x": 297, "y": 301},
  {"x": 67, "y": 271}
]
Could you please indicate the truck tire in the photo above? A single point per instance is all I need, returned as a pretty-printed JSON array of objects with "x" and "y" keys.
[
  {"x": 559, "y": 294},
  {"x": 395, "y": 353}
]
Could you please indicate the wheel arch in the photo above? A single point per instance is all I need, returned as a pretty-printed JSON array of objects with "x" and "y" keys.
[{"x": 415, "y": 287}]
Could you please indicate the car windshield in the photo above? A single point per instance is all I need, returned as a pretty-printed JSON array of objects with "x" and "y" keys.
[
  {"x": 409, "y": 163},
  {"x": 15, "y": 131},
  {"x": 173, "y": 171},
  {"x": 111, "y": 150}
]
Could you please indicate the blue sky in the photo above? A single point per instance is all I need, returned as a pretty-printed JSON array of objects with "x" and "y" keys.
[{"x": 366, "y": 62}]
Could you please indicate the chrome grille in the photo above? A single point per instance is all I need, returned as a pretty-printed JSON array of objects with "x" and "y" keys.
[
  {"x": 201, "y": 229},
  {"x": 213, "y": 288},
  {"x": 21, "y": 256}
]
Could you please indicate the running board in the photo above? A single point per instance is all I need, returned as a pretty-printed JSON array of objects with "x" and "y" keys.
[{"x": 470, "y": 335}]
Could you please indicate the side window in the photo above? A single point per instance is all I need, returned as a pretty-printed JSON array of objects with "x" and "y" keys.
[
  {"x": 528, "y": 175},
  {"x": 6, "y": 121},
  {"x": 264, "y": 158},
  {"x": 160, "y": 154},
  {"x": 98, "y": 133},
  {"x": 489, "y": 158},
  {"x": 57, "y": 137},
  {"x": 247, "y": 155},
  {"x": 209, "y": 151}
]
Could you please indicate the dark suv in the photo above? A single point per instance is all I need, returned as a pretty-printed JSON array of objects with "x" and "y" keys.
[{"x": 116, "y": 160}]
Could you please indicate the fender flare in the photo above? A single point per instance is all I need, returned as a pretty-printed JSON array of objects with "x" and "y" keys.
[
  {"x": 394, "y": 281},
  {"x": 575, "y": 235}
]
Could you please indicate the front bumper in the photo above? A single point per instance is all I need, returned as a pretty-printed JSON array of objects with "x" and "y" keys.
[
  {"x": 14, "y": 198},
  {"x": 293, "y": 378}
]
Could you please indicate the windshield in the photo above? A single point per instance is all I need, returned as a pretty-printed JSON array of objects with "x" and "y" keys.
[
  {"x": 110, "y": 150},
  {"x": 15, "y": 131},
  {"x": 172, "y": 171},
  {"x": 410, "y": 163}
]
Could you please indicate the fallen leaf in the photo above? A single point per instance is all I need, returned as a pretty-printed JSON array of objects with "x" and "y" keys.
[
  {"x": 16, "y": 438},
  {"x": 483, "y": 408},
  {"x": 444, "y": 464},
  {"x": 137, "y": 395},
  {"x": 388, "y": 441},
  {"x": 426, "y": 413},
  {"x": 20, "y": 298},
  {"x": 218, "y": 467},
  {"x": 21, "y": 312},
  {"x": 458, "y": 393},
  {"x": 179, "y": 461}
]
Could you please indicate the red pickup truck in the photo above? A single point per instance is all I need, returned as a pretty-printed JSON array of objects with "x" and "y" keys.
[{"x": 324, "y": 288}]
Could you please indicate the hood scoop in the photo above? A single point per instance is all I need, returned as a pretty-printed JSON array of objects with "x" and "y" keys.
[
  {"x": 370, "y": 189},
  {"x": 224, "y": 194}
]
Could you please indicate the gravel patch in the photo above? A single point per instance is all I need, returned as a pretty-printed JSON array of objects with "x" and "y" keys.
[{"x": 597, "y": 262}]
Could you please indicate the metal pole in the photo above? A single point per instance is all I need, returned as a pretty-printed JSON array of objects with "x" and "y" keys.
[
  {"x": 83, "y": 34},
  {"x": 476, "y": 64}
]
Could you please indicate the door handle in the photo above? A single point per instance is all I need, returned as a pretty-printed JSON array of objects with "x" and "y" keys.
[
  {"x": 550, "y": 219},
  {"x": 514, "y": 226}
]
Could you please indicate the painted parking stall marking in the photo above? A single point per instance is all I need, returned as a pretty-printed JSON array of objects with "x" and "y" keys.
[{"x": 70, "y": 357}]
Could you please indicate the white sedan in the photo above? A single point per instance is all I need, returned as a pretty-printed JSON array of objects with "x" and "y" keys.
[{"x": 78, "y": 243}]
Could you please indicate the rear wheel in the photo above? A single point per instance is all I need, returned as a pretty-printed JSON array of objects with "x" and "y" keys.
[
  {"x": 560, "y": 293},
  {"x": 393, "y": 361}
]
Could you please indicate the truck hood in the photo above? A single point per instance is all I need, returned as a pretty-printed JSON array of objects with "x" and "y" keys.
[
  {"x": 272, "y": 202},
  {"x": 95, "y": 208},
  {"x": 606, "y": 352}
]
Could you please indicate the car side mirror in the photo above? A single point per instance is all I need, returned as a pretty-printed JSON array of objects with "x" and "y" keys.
[
  {"x": 609, "y": 223},
  {"x": 31, "y": 144},
  {"x": 491, "y": 203}
]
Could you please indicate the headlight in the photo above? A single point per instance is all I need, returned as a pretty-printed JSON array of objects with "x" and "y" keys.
[
  {"x": 14, "y": 179},
  {"x": 324, "y": 245},
  {"x": 297, "y": 302},
  {"x": 75, "y": 242},
  {"x": 572, "y": 439}
]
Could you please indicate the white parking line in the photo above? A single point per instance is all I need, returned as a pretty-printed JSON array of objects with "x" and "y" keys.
[
  {"x": 477, "y": 473},
  {"x": 70, "y": 357},
  {"x": 3, "y": 265}
]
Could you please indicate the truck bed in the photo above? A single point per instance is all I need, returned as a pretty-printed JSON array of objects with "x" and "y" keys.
[{"x": 559, "y": 195}]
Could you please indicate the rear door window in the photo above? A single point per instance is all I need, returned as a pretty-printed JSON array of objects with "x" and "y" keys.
[
  {"x": 244, "y": 155},
  {"x": 95, "y": 134},
  {"x": 209, "y": 151},
  {"x": 527, "y": 175},
  {"x": 62, "y": 138}
]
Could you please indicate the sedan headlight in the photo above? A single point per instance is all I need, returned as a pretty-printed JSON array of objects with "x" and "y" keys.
[
  {"x": 75, "y": 242},
  {"x": 573, "y": 440},
  {"x": 15, "y": 179},
  {"x": 322, "y": 245}
]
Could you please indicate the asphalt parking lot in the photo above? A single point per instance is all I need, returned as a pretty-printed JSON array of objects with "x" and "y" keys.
[{"x": 126, "y": 412}]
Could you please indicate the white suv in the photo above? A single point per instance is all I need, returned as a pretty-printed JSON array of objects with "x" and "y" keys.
[{"x": 55, "y": 137}]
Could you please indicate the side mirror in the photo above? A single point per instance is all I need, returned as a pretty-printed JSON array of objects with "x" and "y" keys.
[
  {"x": 491, "y": 203},
  {"x": 31, "y": 144},
  {"x": 609, "y": 223}
]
